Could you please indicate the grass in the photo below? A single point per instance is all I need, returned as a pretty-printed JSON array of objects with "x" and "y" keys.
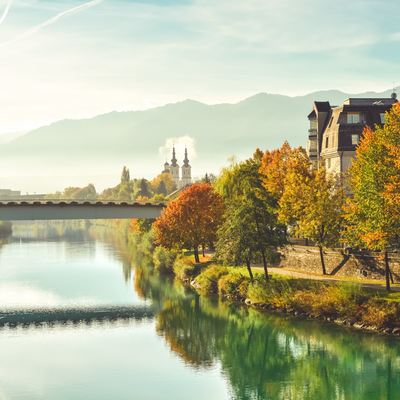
[{"x": 343, "y": 299}]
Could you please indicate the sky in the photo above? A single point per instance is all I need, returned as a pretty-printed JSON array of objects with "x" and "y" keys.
[{"x": 77, "y": 59}]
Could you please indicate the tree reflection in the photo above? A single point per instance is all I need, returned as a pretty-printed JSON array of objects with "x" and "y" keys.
[{"x": 271, "y": 356}]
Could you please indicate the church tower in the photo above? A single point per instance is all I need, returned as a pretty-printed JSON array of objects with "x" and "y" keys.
[
  {"x": 186, "y": 172},
  {"x": 174, "y": 169}
]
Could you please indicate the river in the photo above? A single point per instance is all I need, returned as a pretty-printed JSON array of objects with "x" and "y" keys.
[{"x": 89, "y": 320}]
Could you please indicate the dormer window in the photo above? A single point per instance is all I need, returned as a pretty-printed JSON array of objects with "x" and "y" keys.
[{"x": 353, "y": 118}]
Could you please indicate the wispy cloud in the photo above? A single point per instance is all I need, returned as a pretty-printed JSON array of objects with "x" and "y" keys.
[
  {"x": 34, "y": 29},
  {"x": 6, "y": 11}
]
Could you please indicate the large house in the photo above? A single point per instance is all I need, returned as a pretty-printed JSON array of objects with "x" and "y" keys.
[{"x": 335, "y": 131}]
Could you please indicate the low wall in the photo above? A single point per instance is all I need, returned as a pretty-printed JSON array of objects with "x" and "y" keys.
[{"x": 350, "y": 264}]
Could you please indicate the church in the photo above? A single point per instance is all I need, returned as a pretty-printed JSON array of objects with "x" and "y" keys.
[{"x": 173, "y": 169}]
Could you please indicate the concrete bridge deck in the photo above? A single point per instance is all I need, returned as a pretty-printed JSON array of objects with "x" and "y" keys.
[{"x": 16, "y": 210}]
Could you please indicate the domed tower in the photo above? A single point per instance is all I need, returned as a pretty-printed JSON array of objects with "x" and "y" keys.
[
  {"x": 166, "y": 168},
  {"x": 186, "y": 171},
  {"x": 174, "y": 168}
]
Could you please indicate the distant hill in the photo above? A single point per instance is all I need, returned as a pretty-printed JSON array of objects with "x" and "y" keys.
[{"x": 103, "y": 144}]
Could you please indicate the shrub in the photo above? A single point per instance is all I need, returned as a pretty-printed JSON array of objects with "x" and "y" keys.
[
  {"x": 164, "y": 259},
  {"x": 209, "y": 277},
  {"x": 146, "y": 245},
  {"x": 233, "y": 284},
  {"x": 185, "y": 268},
  {"x": 380, "y": 313}
]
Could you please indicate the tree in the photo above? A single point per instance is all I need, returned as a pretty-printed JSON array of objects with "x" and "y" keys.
[
  {"x": 144, "y": 190},
  {"x": 125, "y": 176},
  {"x": 372, "y": 214},
  {"x": 162, "y": 189},
  {"x": 315, "y": 202},
  {"x": 278, "y": 164},
  {"x": 169, "y": 184},
  {"x": 191, "y": 220},
  {"x": 251, "y": 225}
]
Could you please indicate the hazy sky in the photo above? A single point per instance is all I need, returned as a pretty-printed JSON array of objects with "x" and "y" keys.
[{"x": 77, "y": 59}]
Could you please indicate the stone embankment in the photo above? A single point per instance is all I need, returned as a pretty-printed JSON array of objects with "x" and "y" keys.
[{"x": 341, "y": 263}]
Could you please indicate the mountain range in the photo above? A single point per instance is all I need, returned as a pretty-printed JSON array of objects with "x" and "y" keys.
[{"x": 76, "y": 152}]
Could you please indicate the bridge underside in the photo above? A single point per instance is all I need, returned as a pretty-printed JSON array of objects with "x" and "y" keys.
[{"x": 40, "y": 211}]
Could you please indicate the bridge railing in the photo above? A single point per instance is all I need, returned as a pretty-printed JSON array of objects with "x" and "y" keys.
[{"x": 80, "y": 201}]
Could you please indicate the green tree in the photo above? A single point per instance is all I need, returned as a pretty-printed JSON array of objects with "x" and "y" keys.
[
  {"x": 315, "y": 202},
  {"x": 372, "y": 214},
  {"x": 144, "y": 189},
  {"x": 125, "y": 176},
  {"x": 162, "y": 189},
  {"x": 252, "y": 217}
]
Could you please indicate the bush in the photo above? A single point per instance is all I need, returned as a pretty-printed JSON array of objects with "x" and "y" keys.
[
  {"x": 164, "y": 259},
  {"x": 146, "y": 245},
  {"x": 185, "y": 268},
  {"x": 233, "y": 284},
  {"x": 209, "y": 277}
]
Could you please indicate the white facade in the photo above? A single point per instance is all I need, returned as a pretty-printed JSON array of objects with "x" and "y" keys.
[{"x": 186, "y": 171}]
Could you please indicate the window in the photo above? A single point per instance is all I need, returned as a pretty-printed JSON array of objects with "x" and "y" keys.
[
  {"x": 354, "y": 139},
  {"x": 313, "y": 124},
  {"x": 353, "y": 118},
  {"x": 383, "y": 119},
  {"x": 326, "y": 142},
  {"x": 328, "y": 163}
]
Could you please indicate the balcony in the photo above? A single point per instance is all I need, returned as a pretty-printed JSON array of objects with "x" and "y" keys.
[{"x": 312, "y": 131}]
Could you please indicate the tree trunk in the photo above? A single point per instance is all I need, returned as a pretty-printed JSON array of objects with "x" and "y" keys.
[
  {"x": 265, "y": 266},
  {"x": 203, "y": 251},
  {"x": 321, "y": 254},
  {"x": 250, "y": 271},
  {"x": 387, "y": 271},
  {"x": 196, "y": 255}
]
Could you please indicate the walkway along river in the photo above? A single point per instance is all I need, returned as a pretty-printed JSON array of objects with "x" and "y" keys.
[{"x": 135, "y": 334}]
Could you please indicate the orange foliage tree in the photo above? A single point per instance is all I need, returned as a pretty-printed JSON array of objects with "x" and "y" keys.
[
  {"x": 372, "y": 215},
  {"x": 191, "y": 220},
  {"x": 168, "y": 183},
  {"x": 277, "y": 164}
]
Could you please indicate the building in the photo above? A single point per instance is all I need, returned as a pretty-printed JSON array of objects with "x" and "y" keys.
[
  {"x": 335, "y": 131},
  {"x": 173, "y": 169}
]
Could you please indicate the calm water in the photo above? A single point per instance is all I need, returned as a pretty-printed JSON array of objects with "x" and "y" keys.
[{"x": 181, "y": 346}]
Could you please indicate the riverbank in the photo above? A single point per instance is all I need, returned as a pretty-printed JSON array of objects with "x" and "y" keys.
[{"x": 343, "y": 303}]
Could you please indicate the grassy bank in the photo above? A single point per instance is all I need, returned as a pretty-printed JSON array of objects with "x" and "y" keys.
[{"x": 344, "y": 302}]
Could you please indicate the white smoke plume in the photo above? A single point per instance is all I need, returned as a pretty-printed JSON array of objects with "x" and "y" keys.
[
  {"x": 34, "y": 29},
  {"x": 179, "y": 143}
]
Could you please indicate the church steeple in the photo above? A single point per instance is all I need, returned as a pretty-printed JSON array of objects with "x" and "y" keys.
[
  {"x": 174, "y": 160},
  {"x": 186, "y": 160}
]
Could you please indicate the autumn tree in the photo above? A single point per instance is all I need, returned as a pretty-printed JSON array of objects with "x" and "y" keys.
[
  {"x": 125, "y": 176},
  {"x": 251, "y": 227},
  {"x": 278, "y": 164},
  {"x": 372, "y": 214},
  {"x": 315, "y": 201},
  {"x": 168, "y": 186},
  {"x": 191, "y": 220}
]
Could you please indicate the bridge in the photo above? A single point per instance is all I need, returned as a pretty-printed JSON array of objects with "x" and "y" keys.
[{"x": 16, "y": 210}]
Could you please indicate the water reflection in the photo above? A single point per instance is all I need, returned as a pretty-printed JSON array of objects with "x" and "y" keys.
[
  {"x": 268, "y": 356},
  {"x": 262, "y": 356}
]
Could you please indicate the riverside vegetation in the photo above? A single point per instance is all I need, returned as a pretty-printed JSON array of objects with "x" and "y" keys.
[{"x": 246, "y": 213}]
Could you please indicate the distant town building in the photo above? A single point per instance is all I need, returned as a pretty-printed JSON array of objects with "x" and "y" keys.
[
  {"x": 335, "y": 131},
  {"x": 173, "y": 169},
  {"x": 8, "y": 194}
]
